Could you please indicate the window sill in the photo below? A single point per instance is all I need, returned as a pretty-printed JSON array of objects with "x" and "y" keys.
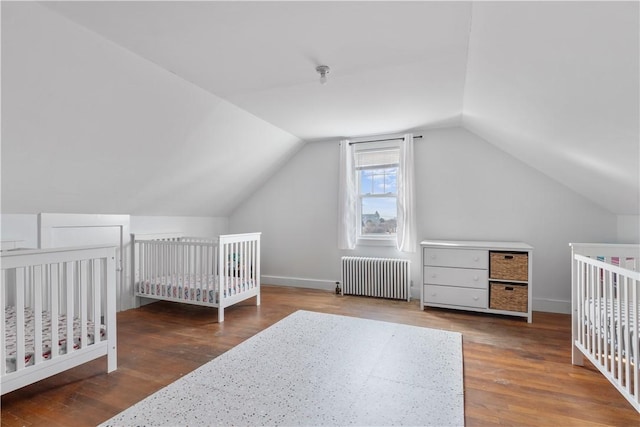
[{"x": 372, "y": 241}]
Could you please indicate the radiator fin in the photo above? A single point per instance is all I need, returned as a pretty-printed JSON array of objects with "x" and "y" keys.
[{"x": 376, "y": 277}]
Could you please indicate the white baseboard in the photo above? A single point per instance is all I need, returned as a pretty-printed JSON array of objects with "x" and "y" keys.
[
  {"x": 539, "y": 304},
  {"x": 552, "y": 305},
  {"x": 327, "y": 285},
  {"x": 299, "y": 282}
]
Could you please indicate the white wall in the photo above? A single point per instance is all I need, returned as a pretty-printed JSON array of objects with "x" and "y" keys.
[
  {"x": 628, "y": 228},
  {"x": 189, "y": 226},
  {"x": 19, "y": 231},
  {"x": 467, "y": 189}
]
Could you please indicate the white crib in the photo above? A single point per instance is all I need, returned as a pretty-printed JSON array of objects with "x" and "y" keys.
[
  {"x": 606, "y": 312},
  {"x": 71, "y": 288},
  {"x": 211, "y": 272}
]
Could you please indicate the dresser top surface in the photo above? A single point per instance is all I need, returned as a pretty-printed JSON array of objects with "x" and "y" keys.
[{"x": 475, "y": 244}]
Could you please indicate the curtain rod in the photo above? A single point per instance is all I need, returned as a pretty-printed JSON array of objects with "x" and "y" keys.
[{"x": 382, "y": 140}]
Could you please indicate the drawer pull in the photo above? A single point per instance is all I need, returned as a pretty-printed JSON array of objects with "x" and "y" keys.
[
  {"x": 434, "y": 275},
  {"x": 475, "y": 258},
  {"x": 508, "y": 257},
  {"x": 475, "y": 298},
  {"x": 476, "y": 278},
  {"x": 508, "y": 288}
]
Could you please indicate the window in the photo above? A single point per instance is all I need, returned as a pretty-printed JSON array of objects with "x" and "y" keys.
[
  {"x": 376, "y": 193},
  {"x": 377, "y": 189}
]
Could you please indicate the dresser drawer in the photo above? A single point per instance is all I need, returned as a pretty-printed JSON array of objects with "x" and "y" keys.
[
  {"x": 464, "y": 258},
  {"x": 464, "y": 277},
  {"x": 465, "y": 297}
]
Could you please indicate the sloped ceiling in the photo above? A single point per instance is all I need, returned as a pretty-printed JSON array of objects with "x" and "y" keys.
[
  {"x": 554, "y": 84},
  {"x": 557, "y": 85},
  {"x": 89, "y": 127},
  {"x": 394, "y": 65}
]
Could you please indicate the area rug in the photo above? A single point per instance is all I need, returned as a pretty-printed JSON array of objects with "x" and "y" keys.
[{"x": 319, "y": 369}]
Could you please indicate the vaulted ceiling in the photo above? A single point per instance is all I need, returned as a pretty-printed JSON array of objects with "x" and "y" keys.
[{"x": 555, "y": 84}]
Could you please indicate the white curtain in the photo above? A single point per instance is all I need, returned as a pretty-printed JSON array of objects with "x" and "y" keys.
[
  {"x": 406, "y": 232},
  {"x": 347, "y": 232}
]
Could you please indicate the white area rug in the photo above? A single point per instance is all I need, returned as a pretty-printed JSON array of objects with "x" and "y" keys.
[{"x": 319, "y": 369}]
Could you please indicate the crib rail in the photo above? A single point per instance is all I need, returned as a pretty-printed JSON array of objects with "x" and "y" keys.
[
  {"x": 606, "y": 313},
  {"x": 64, "y": 285}
]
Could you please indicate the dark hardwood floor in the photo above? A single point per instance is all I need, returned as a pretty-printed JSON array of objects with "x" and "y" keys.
[{"x": 515, "y": 373}]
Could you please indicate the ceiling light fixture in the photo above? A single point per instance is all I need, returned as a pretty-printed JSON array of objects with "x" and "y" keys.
[{"x": 323, "y": 70}]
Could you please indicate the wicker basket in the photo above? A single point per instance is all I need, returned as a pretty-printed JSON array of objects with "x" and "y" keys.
[
  {"x": 509, "y": 266},
  {"x": 508, "y": 296}
]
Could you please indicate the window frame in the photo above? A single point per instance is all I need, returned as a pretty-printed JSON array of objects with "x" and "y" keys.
[{"x": 372, "y": 239}]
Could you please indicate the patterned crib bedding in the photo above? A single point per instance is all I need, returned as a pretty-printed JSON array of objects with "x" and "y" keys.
[
  {"x": 193, "y": 287},
  {"x": 602, "y": 314},
  {"x": 12, "y": 340}
]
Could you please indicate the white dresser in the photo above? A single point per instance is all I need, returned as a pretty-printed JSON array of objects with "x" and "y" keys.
[{"x": 491, "y": 277}]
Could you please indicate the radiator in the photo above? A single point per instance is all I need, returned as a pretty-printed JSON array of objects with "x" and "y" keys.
[{"x": 376, "y": 277}]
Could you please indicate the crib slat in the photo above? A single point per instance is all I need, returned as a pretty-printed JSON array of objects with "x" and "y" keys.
[
  {"x": 232, "y": 273},
  {"x": 162, "y": 255},
  {"x": 69, "y": 309},
  {"x": 624, "y": 322},
  {"x": 243, "y": 263},
  {"x": 598, "y": 332},
  {"x": 137, "y": 265},
  {"x": 212, "y": 288},
  {"x": 256, "y": 276},
  {"x": 236, "y": 265},
  {"x": 222, "y": 266},
  {"x": 55, "y": 273},
  {"x": 96, "y": 290},
  {"x": 84, "y": 297},
  {"x": 198, "y": 261},
  {"x": 142, "y": 266},
  {"x": 579, "y": 306},
  {"x": 155, "y": 269},
  {"x": 21, "y": 283},
  {"x": 593, "y": 297},
  {"x": 151, "y": 264},
  {"x": 37, "y": 308},
  {"x": 147, "y": 267},
  {"x": 616, "y": 319},
  {"x": 608, "y": 329},
  {"x": 3, "y": 321},
  {"x": 110, "y": 315},
  {"x": 634, "y": 352}
]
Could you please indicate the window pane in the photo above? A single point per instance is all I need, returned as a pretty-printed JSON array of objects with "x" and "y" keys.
[
  {"x": 379, "y": 181},
  {"x": 366, "y": 182},
  {"x": 379, "y": 215}
]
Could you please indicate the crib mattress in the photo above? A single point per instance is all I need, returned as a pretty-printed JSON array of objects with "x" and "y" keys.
[
  {"x": 194, "y": 287},
  {"x": 12, "y": 340},
  {"x": 609, "y": 309},
  {"x": 602, "y": 316}
]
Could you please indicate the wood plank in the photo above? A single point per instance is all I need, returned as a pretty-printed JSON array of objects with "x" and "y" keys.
[{"x": 515, "y": 373}]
